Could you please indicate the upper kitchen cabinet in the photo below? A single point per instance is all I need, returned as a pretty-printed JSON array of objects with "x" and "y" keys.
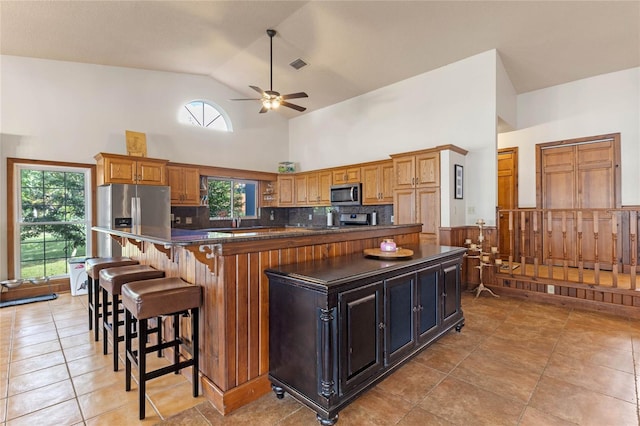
[
  {"x": 346, "y": 175},
  {"x": 377, "y": 183},
  {"x": 114, "y": 168},
  {"x": 300, "y": 189},
  {"x": 286, "y": 195},
  {"x": 319, "y": 188},
  {"x": 417, "y": 193},
  {"x": 417, "y": 169},
  {"x": 185, "y": 185}
]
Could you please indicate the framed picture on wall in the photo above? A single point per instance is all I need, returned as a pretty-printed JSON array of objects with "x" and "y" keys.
[{"x": 458, "y": 179}]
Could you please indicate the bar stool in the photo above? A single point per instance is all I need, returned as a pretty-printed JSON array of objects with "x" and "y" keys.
[
  {"x": 111, "y": 282},
  {"x": 93, "y": 267},
  {"x": 153, "y": 298}
]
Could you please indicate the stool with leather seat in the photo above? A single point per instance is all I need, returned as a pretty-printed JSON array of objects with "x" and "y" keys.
[
  {"x": 111, "y": 282},
  {"x": 93, "y": 267},
  {"x": 147, "y": 299}
]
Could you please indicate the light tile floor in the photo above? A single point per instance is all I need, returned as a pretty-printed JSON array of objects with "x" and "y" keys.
[{"x": 514, "y": 363}]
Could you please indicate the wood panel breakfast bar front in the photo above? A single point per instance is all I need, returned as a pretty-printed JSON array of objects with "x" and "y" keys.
[{"x": 234, "y": 320}]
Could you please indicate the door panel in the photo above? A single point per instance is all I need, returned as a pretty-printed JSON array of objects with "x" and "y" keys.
[
  {"x": 399, "y": 316},
  {"x": 361, "y": 343},
  {"x": 507, "y": 194}
]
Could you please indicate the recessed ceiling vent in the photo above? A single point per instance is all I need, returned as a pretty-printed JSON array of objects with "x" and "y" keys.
[{"x": 298, "y": 63}]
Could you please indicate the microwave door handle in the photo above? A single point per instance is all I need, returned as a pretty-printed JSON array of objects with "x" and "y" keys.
[{"x": 353, "y": 190}]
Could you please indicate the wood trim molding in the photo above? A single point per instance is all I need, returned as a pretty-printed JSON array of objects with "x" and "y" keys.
[{"x": 11, "y": 219}]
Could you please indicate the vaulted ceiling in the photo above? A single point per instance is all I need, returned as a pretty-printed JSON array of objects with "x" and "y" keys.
[{"x": 351, "y": 47}]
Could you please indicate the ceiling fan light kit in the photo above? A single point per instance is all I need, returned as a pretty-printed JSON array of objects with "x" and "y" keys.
[{"x": 270, "y": 98}]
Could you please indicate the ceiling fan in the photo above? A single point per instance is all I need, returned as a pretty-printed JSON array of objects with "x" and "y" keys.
[{"x": 270, "y": 98}]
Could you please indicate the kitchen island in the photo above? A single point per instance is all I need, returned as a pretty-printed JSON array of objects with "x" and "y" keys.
[
  {"x": 229, "y": 265},
  {"x": 338, "y": 326}
]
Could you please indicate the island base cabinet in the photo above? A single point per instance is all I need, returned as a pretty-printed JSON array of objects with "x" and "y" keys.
[{"x": 330, "y": 342}]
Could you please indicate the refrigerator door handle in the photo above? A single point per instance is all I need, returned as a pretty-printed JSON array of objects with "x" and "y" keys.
[{"x": 135, "y": 212}]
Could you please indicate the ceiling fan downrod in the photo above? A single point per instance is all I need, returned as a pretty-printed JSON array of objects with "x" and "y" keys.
[{"x": 271, "y": 33}]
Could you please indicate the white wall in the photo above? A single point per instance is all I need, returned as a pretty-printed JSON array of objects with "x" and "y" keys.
[
  {"x": 455, "y": 104},
  {"x": 603, "y": 104},
  {"x": 64, "y": 111},
  {"x": 452, "y": 210},
  {"x": 506, "y": 96}
]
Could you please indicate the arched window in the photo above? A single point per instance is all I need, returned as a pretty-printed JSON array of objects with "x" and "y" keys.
[{"x": 203, "y": 114}]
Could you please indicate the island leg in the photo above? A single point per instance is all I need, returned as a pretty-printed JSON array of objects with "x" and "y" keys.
[
  {"x": 327, "y": 422},
  {"x": 278, "y": 390}
]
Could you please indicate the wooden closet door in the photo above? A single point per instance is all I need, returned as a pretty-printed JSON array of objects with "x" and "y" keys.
[{"x": 580, "y": 176}]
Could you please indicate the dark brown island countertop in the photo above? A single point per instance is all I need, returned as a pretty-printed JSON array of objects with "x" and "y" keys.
[{"x": 337, "y": 270}]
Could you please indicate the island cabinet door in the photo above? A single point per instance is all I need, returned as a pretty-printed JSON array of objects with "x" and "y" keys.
[
  {"x": 399, "y": 316},
  {"x": 451, "y": 309},
  {"x": 361, "y": 325},
  {"x": 428, "y": 308}
]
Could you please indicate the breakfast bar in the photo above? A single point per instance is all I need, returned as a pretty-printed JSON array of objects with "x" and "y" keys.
[{"x": 229, "y": 264}]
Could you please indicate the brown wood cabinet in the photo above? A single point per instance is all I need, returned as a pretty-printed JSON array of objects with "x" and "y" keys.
[
  {"x": 346, "y": 175},
  {"x": 300, "y": 189},
  {"x": 319, "y": 188},
  {"x": 185, "y": 185},
  {"x": 416, "y": 195},
  {"x": 286, "y": 195},
  {"x": 377, "y": 183},
  {"x": 114, "y": 168}
]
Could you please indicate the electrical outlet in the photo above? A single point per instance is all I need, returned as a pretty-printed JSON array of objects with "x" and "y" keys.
[
  {"x": 310, "y": 216},
  {"x": 551, "y": 289},
  {"x": 178, "y": 220},
  {"x": 188, "y": 220}
]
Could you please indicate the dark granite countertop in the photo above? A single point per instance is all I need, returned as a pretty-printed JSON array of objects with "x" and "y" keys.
[{"x": 172, "y": 236}]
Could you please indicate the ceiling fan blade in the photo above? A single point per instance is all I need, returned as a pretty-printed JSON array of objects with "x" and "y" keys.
[
  {"x": 263, "y": 110},
  {"x": 295, "y": 95},
  {"x": 289, "y": 105},
  {"x": 257, "y": 89}
]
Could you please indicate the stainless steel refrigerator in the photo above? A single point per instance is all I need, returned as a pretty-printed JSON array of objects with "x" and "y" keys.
[{"x": 141, "y": 209}]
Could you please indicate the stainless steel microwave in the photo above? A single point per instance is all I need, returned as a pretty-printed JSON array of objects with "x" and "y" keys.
[{"x": 346, "y": 195}]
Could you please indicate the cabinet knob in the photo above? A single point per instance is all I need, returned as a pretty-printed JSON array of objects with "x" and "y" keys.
[
  {"x": 381, "y": 326},
  {"x": 415, "y": 309}
]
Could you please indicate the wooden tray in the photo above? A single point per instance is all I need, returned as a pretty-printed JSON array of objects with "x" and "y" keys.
[{"x": 398, "y": 254}]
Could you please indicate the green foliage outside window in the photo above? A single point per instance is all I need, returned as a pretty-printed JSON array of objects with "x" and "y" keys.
[
  {"x": 231, "y": 199},
  {"x": 52, "y": 221}
]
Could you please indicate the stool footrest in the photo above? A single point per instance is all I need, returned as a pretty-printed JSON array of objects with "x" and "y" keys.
[{"x": 168, "y": 369}]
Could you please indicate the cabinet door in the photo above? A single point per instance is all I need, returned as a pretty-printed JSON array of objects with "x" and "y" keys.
[
  {"x": 150, "y": 173},
  {"x": 301, "y": 190},
  {"x": 405, "y": 172},
  {"x": 399, "y": 316},
  {"x": 285, "y": 191},
  {"x": 313, "y": 189},
  {"x": 404, "y": 206},
  {"x": 176, "y": 182},
  {"x": 191, "y": 186},
  {"x": 428, "y": 169},
  {"x": 370, "y": 191},
  {"x": 385, "y": 183},
  {"x": 428, "y": 213},
  {"x": 324, "y": 188},
  {"x": 119, "y": 170},
  {"x": 451, "y": 294},
  {"x": 361, "y": 325},
  {"x": 428, "y": 283}
]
